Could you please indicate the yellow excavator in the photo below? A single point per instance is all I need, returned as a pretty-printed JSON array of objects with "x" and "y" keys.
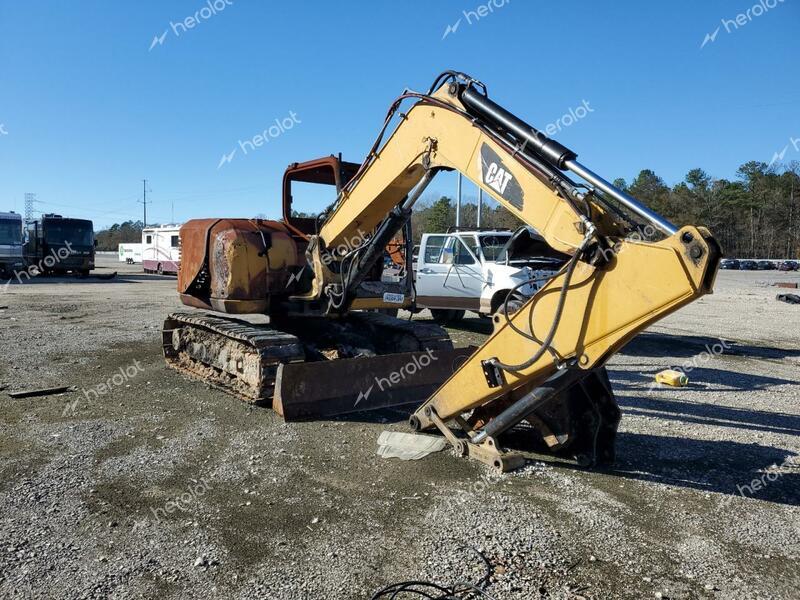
[{"x": 328, "y": 345}]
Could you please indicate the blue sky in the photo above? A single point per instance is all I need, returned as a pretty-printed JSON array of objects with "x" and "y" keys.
[{"x": 88, "y": 109}]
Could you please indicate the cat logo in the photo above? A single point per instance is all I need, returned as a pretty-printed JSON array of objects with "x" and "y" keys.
[
  {"x": 497, "y": 178},
  {"x": 495, "y": 175}
]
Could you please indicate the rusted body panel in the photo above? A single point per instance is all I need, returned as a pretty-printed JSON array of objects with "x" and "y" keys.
[{"x": 235, "y": 265}]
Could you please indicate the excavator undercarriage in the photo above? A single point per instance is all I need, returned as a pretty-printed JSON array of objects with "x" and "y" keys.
[
  {"x": 315, "y": 342},
  {"x": 243, "y": 358}
]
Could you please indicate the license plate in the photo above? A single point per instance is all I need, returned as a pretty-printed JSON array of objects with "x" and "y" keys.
[{"x": 393, "y": 298}]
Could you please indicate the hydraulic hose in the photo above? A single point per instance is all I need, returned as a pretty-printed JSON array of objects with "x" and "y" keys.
[{"x": 562, "y": 297}]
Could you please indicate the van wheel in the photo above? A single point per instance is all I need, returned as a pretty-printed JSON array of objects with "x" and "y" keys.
[
  {"x": 514, "y": 304},
  {"x": 442, "y": 316}
]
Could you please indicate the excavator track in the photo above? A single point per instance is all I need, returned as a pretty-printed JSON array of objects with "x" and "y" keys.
[
  {"x": 233, "y": 355},
  {"x": 242, "y": 358}
]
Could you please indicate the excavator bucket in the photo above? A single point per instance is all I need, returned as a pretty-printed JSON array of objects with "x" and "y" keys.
[
  {"x": 582, "y": 421},
  {"x": 320, "y": 390},
  {"x": 576, "y": 419}
]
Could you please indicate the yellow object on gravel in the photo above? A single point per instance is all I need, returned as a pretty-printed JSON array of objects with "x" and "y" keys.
[{"x": 672, "y": 377}]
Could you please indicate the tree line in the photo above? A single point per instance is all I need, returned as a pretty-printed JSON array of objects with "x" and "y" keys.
[
  {"x": 119, "y": 233},
  {"x": 756, "y": 215}
]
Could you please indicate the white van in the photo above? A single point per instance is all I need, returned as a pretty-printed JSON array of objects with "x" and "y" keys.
[{"x": 475, "y": 270}]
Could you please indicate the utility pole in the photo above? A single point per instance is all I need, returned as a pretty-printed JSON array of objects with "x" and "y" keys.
[
  {"x": 480, "y": 206},
  {"x": 458, "y": 201},
  {"x": 144, "y": 200}
]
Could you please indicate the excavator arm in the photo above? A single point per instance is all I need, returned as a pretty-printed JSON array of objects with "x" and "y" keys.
[{"x": 549, "y": 353}]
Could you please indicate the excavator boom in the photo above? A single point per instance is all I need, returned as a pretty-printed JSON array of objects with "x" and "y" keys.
[{"x": 616, "y": 284}]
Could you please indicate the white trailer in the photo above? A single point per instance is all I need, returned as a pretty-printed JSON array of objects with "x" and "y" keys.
[
  {"x": 130, "y": 253},
  {"x": 161, "y": 249}
]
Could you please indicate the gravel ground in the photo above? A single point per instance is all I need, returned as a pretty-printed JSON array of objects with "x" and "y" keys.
[{"x": 157, "y": 486}]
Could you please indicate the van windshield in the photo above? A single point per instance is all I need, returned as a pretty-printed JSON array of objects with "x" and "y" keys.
[{"x": 492, "y": 245}]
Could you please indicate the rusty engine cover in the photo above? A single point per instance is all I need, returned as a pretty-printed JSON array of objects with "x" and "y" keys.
[{"x": 226, "y": 267}]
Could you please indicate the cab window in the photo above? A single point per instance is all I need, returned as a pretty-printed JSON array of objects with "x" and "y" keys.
[
  {"x": 433, "y": 249},
  {"x": 455, "y": 252}
]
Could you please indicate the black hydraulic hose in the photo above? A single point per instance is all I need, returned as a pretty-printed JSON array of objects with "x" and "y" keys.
[
  {"x": 541, "y": 169},
  {"x": 562, "y": 297},
  {"x": 530, "y": 336}
]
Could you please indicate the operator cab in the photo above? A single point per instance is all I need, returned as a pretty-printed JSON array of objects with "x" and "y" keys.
[{"x": 328, "y": 171}]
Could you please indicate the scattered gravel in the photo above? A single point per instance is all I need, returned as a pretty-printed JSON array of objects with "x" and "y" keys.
[{"x": 162, "y": 487}]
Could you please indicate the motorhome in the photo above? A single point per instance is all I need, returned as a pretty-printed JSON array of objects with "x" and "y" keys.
[
  {"x": 56, "y": 244},
  {"x": 161, "y": 249},
  {"x": 10, "y": 243}
]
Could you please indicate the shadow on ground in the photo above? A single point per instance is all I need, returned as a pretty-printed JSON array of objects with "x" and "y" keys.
[
  {"x": 482, "y": 326},
  {"x": 721, "y": 466},
  {"x": 96, "y": 278},
  {"x": 706, "y": 413},
  {"x": 658, "y": 345},
  {"x": 700, "y": 380}
]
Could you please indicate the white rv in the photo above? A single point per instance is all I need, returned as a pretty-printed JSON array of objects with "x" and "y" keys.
[
  {"x": 130, "y": 253},
  {"x": 161, "y": 249}
]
